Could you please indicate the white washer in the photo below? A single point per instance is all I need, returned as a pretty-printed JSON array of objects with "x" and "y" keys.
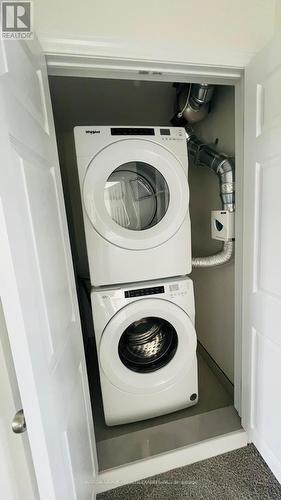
[
  {"x": 135, "y": 199},
  {"x": 146, "y": 344}
]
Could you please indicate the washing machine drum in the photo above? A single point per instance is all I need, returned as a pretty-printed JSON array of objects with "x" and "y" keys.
[{"x": 148, "y": 344}]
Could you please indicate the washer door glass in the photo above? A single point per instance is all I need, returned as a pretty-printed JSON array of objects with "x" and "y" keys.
[
  {"x": 148, "y": 344},
  {"x": 136, "y": 196}
]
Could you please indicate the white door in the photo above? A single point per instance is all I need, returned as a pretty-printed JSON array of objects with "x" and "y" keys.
[
  {"x": 17, "y": 477},
  {"x": 262, "y": 251},
  {"x": 37, "y": 283}
]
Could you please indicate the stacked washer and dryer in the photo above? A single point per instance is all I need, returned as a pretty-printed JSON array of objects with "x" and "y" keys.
[{"x": 135, "y": 198}]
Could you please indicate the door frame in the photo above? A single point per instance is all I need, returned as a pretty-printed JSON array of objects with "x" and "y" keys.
[
  {"x": 77, "y": 64},
  {"x": 113, "y": 67}
]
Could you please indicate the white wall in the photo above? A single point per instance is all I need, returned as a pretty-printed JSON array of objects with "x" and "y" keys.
[{"x": 226, "y": 32}]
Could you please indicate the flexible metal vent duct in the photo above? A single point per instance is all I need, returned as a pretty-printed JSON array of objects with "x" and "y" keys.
[
  {"x": 194, "y": 102},
  {"x": 198, "y": 97},
  {"x": 221, "y": 164},
  {"x": 218, "y": 259}
]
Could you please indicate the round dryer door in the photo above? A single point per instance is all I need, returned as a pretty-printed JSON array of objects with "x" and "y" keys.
[
  {"x": 146, "y": 345},
  {"x": 135, "y": 194}
]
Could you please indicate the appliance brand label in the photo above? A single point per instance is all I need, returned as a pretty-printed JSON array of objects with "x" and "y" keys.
[{"x": 92, "y": 131}]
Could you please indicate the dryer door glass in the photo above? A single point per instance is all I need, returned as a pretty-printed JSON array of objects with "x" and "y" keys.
[
  {"x": 136, "y": 196},
  {"x": 148, "y": 344}
]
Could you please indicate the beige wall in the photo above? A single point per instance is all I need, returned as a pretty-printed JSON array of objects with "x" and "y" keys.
[
  {"x": 278, "y": 15},
  {"x": 106, "y": 102},
  {"x": 211, "y": 32},
  {"x": 214, "y": 288}
]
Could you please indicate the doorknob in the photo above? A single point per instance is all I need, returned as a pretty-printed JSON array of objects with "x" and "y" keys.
[{"x": 18, "y": 423}]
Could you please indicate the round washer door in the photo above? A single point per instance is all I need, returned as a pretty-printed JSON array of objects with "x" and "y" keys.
[
  {"x": 146, "y": 346},
  {"x": 135, "y": 194}
]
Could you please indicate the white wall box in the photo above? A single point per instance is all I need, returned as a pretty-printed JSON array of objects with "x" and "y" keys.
[{"x": 38, "y": 289}]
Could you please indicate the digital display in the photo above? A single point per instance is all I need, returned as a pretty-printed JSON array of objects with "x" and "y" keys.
[
  {"x": 132, "y": 131},
  {"x": 174, "y": 287},
  {"x": 144, "y": 291},
  {"x": 165, "y": 131}
]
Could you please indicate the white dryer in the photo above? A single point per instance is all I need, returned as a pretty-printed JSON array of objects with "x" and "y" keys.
[
  {"x": 135, "y": 199},
  {"x": 146, "y": 344}
]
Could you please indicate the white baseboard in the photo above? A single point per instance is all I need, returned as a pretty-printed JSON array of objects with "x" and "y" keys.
[{"x": 177, "y": 458}]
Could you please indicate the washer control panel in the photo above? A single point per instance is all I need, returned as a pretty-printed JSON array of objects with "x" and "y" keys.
[
  {"x": 173, "y": 289},
  {"x": 178, "y": 289},
  {"x": 140, "y": 292}
]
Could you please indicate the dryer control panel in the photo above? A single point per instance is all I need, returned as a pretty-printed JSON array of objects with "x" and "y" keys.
[
  {"x": 132, "y": 131},
  {"x": 90, "y": 140},
  {"x": 164, "y": 135}
]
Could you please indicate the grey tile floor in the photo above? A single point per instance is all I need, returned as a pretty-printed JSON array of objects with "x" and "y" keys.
[
  {"x": 212, "y": 395},
  {"x": 123, "y": 444},
  {"x": 239, "y": 475}
]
